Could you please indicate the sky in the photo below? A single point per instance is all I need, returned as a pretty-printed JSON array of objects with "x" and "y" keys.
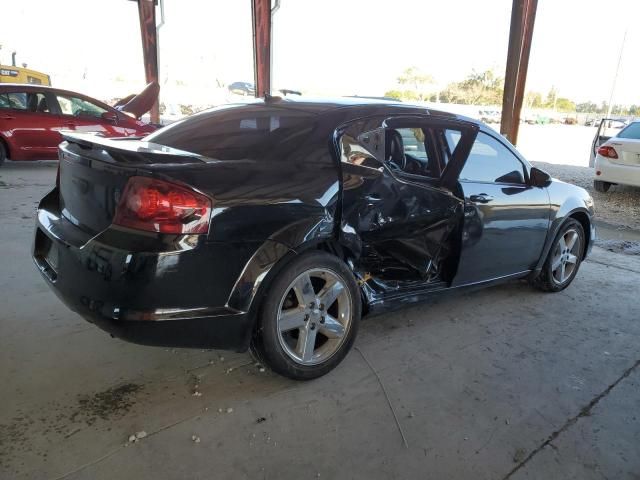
[{"x": 328, "y": 47}]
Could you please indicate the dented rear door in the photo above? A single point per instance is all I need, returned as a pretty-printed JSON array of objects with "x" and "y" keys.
[{"x": 404, "y": 228}]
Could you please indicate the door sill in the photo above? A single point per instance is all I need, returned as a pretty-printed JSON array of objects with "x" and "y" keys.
[{"x": 379, "y": 303}]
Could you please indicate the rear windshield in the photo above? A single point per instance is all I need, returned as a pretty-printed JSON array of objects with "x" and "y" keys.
[
  {"x": 631, "y": 131},
  {"x": 239, "y": 132}
]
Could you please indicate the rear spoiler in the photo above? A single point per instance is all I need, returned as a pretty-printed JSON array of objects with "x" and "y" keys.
[{"x": 129, "y": 150}]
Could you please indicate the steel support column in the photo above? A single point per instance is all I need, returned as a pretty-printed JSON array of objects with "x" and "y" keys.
[
  {"x": 523, "y": 16},
  {"x": 147, "y": 13},
  {"x": 261, "y": 18}
]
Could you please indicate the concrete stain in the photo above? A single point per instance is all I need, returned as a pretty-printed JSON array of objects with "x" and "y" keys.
[
  {"x": 64, "y": 420},
  {"x": 106, "y": 404}
]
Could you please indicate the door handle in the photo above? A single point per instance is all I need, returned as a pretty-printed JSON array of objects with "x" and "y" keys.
[
  {"x": 373, "y": 197},
  {"x": 8, "y": 117},
  {"x": 481, "y": 198}
]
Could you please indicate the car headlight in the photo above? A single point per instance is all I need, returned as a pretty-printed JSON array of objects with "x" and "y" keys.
[{"x": 588, "y": 202}]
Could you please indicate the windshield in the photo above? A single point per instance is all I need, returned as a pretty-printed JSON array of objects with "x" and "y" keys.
[{"x": 631, "y": 131}]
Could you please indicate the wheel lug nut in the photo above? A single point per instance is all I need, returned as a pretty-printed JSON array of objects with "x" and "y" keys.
[
  {"x": 321, "y": 319},
  {"x": 306, "y": 318},
  {"x": 313, "y": 326}
]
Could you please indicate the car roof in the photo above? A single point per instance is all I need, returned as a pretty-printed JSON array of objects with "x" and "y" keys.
[
  {"x": 357, "y": 106},
  {"x": 327, "y": 103},
  {"x": 28, "y": 87}
]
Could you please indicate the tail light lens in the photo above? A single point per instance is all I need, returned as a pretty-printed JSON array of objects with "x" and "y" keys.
[
  {"x": 607, "y": 151},
  {"x": 157, "y": 206}
]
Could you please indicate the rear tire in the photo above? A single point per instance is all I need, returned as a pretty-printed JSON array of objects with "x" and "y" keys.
[
  {"x": 601, "y": 186},
  {"x": 563, "y": 260},
  {"x": 298, "y": 336},
  {"x": 3, "y": 153}
]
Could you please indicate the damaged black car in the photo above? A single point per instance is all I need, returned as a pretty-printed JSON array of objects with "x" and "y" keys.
[{"x": 277, "y": 224}]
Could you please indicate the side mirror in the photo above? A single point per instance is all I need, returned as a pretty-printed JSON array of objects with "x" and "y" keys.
[
  {"x": 110, "y": 117},
  {"x": 539, "y": 178},
  {"x": 511, "y": 177}
]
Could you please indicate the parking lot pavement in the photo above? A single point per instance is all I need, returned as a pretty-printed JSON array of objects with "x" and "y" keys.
[{"x": 500, "y": 383}]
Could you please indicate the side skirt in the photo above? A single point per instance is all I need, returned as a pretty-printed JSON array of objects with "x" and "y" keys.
[{"x": 378, "y": 303}]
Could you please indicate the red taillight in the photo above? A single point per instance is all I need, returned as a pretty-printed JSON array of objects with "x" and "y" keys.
[
  {"x": 158, "y": 206},
  {"x": 607, "y": 151}
]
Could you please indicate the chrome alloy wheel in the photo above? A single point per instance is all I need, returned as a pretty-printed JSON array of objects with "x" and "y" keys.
[
  {"x": 565, "y": 256},
  {"x": 314, "y": 316}
]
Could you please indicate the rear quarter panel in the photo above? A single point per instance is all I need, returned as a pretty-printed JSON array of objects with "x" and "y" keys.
[
  {"x": 278, "y": 207},
  {"x": 254, "y": 201}
]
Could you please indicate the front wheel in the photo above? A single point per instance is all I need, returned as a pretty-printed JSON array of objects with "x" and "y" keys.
[
  {"x": 563, "y": 260},
  {"x": 309, "y": 319},
  {"x": 601, "y": 186}
]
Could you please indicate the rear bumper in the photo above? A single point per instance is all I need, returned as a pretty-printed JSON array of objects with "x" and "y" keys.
[
  {"x": 617, "y": 173},
  {"x": 146, "y": 290}
]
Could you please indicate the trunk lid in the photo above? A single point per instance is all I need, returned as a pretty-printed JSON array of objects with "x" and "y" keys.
[
  {"x": 628, "y": 151},
  {"x": 94, "y": 172}
]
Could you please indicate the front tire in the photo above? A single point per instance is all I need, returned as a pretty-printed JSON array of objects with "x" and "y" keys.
[
  {"x": 601, "y": 186},
  {"x": 309, "y": 319},
  {"x": 563, "y": 259}
]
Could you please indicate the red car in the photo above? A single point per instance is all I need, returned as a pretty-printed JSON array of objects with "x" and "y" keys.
[{"x": 32, "y": 117}]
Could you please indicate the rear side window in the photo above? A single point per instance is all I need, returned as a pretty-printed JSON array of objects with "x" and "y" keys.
[
  {"x": 237, "y": 133},
  {"x": 27, "y": 101},
  {"x": 491, "y": 162},
  {"x": 366, "y": 150},
  {"x": 631, "y": 131}
]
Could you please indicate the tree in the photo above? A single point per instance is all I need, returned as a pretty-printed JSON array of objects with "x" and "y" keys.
[
  {"x": 533, "y": 100},
  {"x": 604, "y": 107},
  {"x": 397, "y": 94},
  {"x": 484, "y": 88},
  {"x": 552, "y": 97},
  {"x": 565, "y": 105},
  {"x": 586, "y": 107},
  {"x": 452, "y": 94},
  {"x": 402, "y": 95},
  {"x": 479, "y": 88},
  {"x": 417, "y": 80}
]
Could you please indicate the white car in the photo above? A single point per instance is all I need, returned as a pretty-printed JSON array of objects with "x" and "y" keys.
[{"x": 616, "y": 158}]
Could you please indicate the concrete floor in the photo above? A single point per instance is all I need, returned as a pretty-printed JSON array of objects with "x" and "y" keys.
[{"x": 501, "y": 383}]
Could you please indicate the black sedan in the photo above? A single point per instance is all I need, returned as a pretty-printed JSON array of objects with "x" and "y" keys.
[{"x": 276, "y": 225}]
